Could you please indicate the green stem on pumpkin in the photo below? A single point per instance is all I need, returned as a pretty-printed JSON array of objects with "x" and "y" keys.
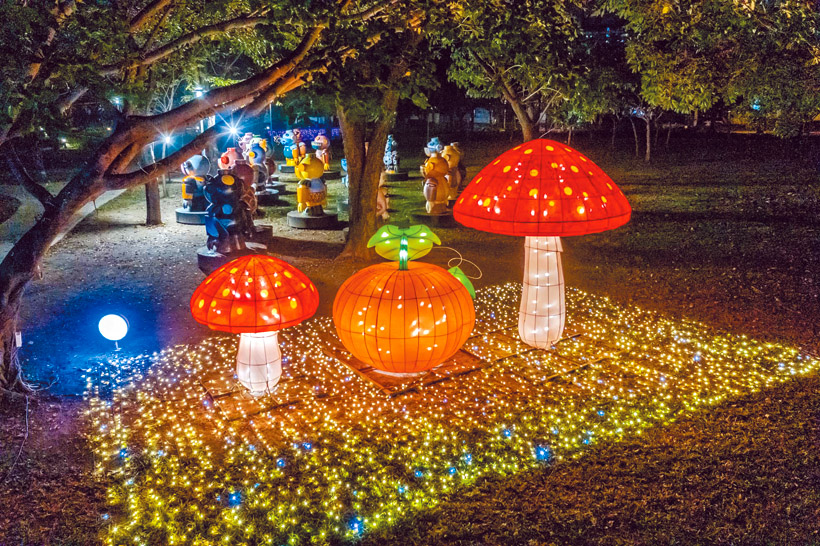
[{"x": 403, "y": 253}]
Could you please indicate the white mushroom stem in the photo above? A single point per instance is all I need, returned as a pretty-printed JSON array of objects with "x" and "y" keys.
[
  {"x": 542, "y": 315},
  {"x": 259, "y": 362}
]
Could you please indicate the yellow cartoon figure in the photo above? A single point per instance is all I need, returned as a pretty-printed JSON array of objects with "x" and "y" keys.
[
  {"x": 453, "y": 157},
  {"x": 311, "y": 195}
]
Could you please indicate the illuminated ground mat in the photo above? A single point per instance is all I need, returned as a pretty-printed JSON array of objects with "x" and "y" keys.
[{"x": 191, "y": 459}]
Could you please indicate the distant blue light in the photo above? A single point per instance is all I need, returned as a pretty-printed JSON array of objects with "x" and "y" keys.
[
  {"x": 402, "y": 489},
  {"x": 419, "y": 473},
  {"x": 506, "y": 433},
  {"x": 280, "y": 463},
  {"x": 601, "y": 412},
  {"x": 452, "y": 471},
  {"x": 468, "y": 458}
]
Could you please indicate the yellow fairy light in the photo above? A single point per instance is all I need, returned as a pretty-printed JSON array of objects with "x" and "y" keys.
[{"x": 189, "y": 459}]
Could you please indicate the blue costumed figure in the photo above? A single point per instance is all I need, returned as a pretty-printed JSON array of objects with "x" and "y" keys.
[
  {"x": 391, "y": 155},
  {"x": 195, "y": 171},
  {"x": 226, "y": 222}
]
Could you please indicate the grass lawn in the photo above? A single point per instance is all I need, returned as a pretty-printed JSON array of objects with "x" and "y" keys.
[
  {"x": 724, "y": 231},
  {"x": 745, "y": 472}
]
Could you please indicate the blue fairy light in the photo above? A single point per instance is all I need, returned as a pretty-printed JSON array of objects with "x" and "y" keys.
[
  {"x": 506, "y": 433},
  {"x": 235, "y": 499},
  {"x": 280, "y": 463},
  {"x": 356, "y": 524},
  {"x": 543, "y": 453}
]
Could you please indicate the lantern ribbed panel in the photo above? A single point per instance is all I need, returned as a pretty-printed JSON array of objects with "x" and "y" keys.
[
  {"x": 542, "y": 188},
  {"x": 259, "y": 361},
  {"x": 542, "y": 314},
  {"x": 403, "y": 321},
  {"x": 254, "y": 294}
]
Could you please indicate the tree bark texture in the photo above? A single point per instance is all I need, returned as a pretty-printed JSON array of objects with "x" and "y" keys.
[
  {"x": 648, "y": 154},
  {"x": 153, "y": 211}
]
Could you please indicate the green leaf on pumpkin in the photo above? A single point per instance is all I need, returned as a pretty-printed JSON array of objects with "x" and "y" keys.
[
  {"x": 420, "y": 240},
  {"x": 463, "y": 279}
]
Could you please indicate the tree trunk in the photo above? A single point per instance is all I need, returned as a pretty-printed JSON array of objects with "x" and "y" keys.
[
  {"x": 569, "y": 137},
  {"x": 523, "y": 117},
  {"x": 635, "y": 134},
  {"x": 364, "y": 167},
  {"x": 695, "y": 120},
  {"x": 614, "y": 131},
  {"x": 648, "y": 154},
  {"x": 668, "y": 134},
  {"x": 153, "y": 215}
]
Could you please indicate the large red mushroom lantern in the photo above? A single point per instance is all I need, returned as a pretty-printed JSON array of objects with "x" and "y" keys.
[
  {"x": 542, "y": 190},
  {"x": 255, "y": 296}
]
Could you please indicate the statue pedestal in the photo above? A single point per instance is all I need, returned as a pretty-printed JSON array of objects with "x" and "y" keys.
[
  {"x": 398, "y": 176},
  {"x": 287, "y": 169},
  {"x": 276, "y": 186},
  {"x": 343, "y": 205},
  {"x": 444, "y": 220},
  {"x": 301, "y": 221},
  {"x": 185, "y": 216},
  {"x": 209, "y": 261},
  {"x": 268, "y": 198},
  {"x": 262, "y": 234},
  {"x": 332, "y": 174}
]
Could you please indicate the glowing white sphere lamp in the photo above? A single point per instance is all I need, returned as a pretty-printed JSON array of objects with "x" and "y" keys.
[
  {"x": 542, "y": 190},
  {"x": 113, "y": 328}
]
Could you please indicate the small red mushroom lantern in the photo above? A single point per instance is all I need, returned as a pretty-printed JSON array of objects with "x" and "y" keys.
[
  {"x": 404, "y": 317},
  {"x": 542, "y": 190},
  {"x": 255, "y": 296}
]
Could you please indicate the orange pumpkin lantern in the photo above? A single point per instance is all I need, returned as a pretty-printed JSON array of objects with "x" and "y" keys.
[{"x": 403, "y": 318}]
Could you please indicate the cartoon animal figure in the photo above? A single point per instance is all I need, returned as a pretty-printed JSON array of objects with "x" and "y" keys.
[
  {"x": 322, "y": 146},
  {"x": 293, "y": 147},
  {"x": 228, "y": 159},
  {"x": 226, "y": 222},
  {"x": 195, "y": 171},
  {"x": 345, "y": 180},
  {"x": 461, "y": 168},
  {"x": 435, "y": 185},
  {"x": 311, "y": 195},
  {"x": 244, "y": 143},
  {"x": 433, "y": 147},
  {"x": 382, "y": 201},
  {"x": 248, "y": 174},
  {"x": 391, "y": 155},
  {"x": 453, "y": 158},
  {"x": 257, "y": 159}
]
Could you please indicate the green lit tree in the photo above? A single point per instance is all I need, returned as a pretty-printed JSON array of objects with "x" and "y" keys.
[{"x": 523, "y": 52}]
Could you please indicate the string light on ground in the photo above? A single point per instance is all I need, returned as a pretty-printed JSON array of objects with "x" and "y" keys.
[{"x": 189, "y": 459}]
